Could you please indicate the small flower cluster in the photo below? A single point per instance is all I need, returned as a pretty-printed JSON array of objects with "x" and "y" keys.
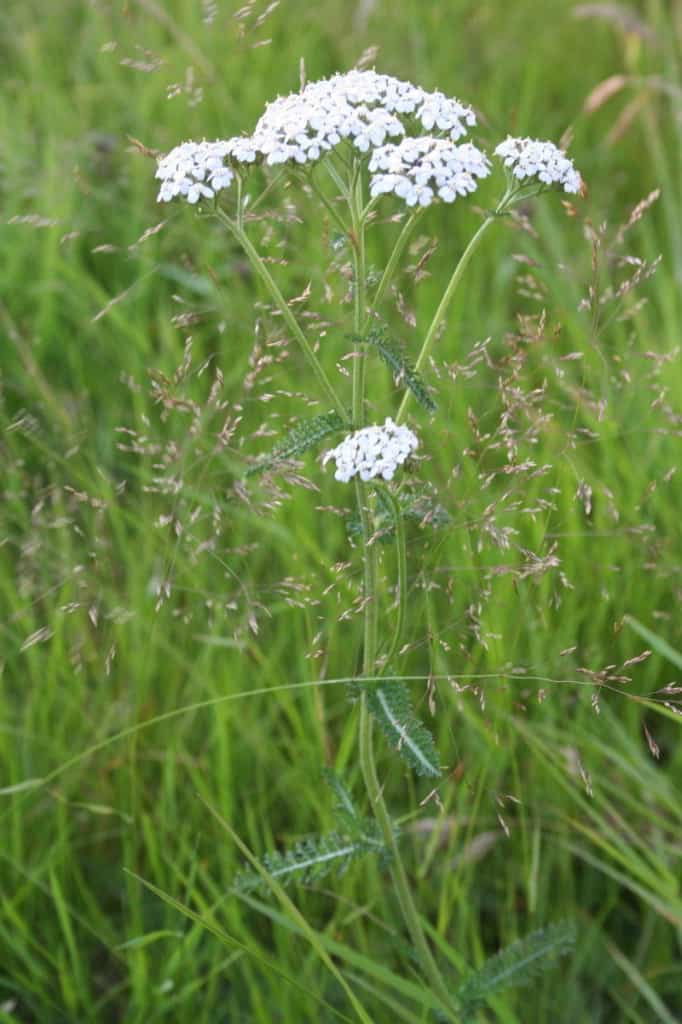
[
  {"x": 193, "y": 170},
  {"x": 417, "y": 170},
  {"x": 532, "y": 158},
  {"x": 362, "y": 106},
  {"x": 372, "y": 452}
]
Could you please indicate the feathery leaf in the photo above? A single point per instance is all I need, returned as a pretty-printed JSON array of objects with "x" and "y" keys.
[
  {"x": 400, "y": 365},
  {"x": 391, "y": 707},
  {"x": 311, "y": 859},
  {"x": 304, "y": 435},
  {"x": 344, "y": 806},
  {"x": 517, "y": 965}
]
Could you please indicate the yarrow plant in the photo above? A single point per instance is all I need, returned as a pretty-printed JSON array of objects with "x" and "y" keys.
[{"x": 375, "y": 140}]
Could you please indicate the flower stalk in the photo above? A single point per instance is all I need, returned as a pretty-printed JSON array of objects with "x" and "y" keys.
[
  {"x": 443, "y": 306},
  {"x": 370, "y": 643},
  {"x": 358, "y": 128},
  {"x": 290, "y": 320}
]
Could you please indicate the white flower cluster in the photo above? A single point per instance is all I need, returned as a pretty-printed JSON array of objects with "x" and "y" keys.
[
  {"x": 531, "y": 158},
  {"x": 193, "y": 170},
  {"x": 372, "y": 452},
  {"x": 362, "y": 106},
  {"x": 417, "y": 170}
]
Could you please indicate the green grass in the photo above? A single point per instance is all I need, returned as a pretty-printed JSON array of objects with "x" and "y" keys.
[{"x": 136, "y": 718}]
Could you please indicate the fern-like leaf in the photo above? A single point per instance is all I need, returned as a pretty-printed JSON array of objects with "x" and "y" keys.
[
  {"x": 304, "y": 435},
  {"x": 515, "y": 966},
  {"x": 400, "y": 365},
  {"x": 311, "y": 859},
  {"x": 344, "y": 808},
  {"x": 391, "y": 707}
]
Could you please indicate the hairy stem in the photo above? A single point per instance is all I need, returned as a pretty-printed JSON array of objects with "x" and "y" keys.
[{"x": 290, "y": 320}]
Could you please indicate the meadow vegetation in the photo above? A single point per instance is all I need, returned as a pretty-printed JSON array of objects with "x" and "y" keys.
[{"x": 178, "y": 633}]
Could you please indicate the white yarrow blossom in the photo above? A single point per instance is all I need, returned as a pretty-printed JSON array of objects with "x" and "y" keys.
[
  {"x": 533, "y": 158},
  {"x": 195, "y": 170},
  {"x": 422, "y": 169},
  {"x": 372, "y": 452},
  {"x": 363, "y": 107}
]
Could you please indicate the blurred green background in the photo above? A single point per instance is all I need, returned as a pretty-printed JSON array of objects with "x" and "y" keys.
[{"x": 137, "y": 583}]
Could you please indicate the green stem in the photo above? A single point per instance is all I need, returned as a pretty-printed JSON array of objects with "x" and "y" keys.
[
  {"x": 444, "y": 304},
  {"x": 271, "y": 185},
  {"x": 329, "y": 207},
  {"x": 359, "y": 286},
  {"x": 370, "y": 616},
  {"x": 288, "y": 317},
  {"x": 369, "y": 581},
  {"x": 337, "y": 179},
  {"x": 367, "y": 762},
  {"x": 401, "y": 552},
  {"x": 400, "y": 880},
  {"x": 390, "y": 268}
]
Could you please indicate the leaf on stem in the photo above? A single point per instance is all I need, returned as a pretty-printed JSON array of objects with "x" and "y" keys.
[
  {"x": 401, "y": 366},
  {"x": 312, "y": 859},
  {"x": 518, "y": 964},
  {"x": 306, "y": 434},
  {"x": 392, "y": 710}
]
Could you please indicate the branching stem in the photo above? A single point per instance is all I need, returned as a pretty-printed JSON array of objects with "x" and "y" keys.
[
  {"x": 370, "y": 632},
  {"x": 394, "y": 258}
]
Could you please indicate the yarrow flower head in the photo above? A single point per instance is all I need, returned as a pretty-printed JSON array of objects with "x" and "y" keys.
[
  {"x": 419, "y": 170},
  {"x": 372, "y": 452},
  {"x": 361, "y": 106},
  {"x": 194, "y": 170},
  {"x": 531, "y": 158}
]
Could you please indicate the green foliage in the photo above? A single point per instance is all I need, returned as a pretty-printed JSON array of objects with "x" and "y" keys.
[
  {"x": 391, "y": 707},
  {"x": 315, "y": 857},
  {"x": 519, "y": 964},
  {"x": 87, "y": 654},
  {"x": 306, "y": 434},
  {"x": 344, "y": 807},
  {"x": 400, "y": 365},
  {"x": 311, "y": 859}
]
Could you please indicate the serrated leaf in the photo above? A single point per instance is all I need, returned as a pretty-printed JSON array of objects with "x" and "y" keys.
[
  {"x": 312, "y": 859},
  {"x": 306, "y": 434},
  {"x": 391, "y": 707},
  {"x": 516, "y": 965},
  {"x": 400, "y": 365},
  {"x": 344, "y": 802}
]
